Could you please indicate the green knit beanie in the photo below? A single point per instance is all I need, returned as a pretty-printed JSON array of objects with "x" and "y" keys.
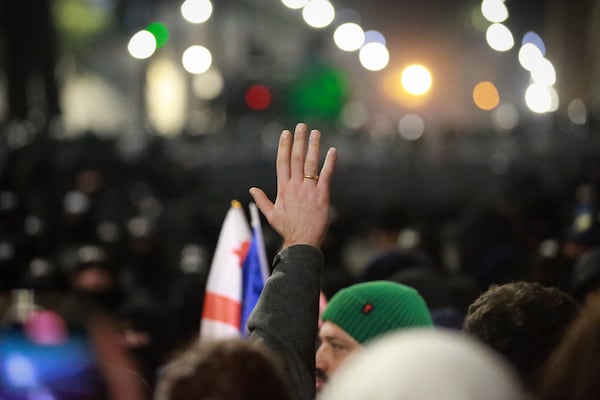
[{"x": 368, "y": 309}]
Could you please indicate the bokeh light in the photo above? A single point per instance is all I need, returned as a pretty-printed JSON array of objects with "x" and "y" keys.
[
  {"x": 536, "y": 40},
  {"x": 506, "y": 116},
  {"x": 538, "y": 98},
  {"x": 209, "y": 85},
  {"x": 8, "y": 200},
  {"x": 46, "y": 328},
  {"x": 196, "y": 11},
  {"x": 193, "y": 259},
  {"x": 295, "y": 4},
  {"x": 411, "y": 127},
  {"x": 494, "y": 10},
  {"x": 543, "y": 73},
  {"x": 349, "y": 36},
  {"x": 19, "y": 371},
  {"x": 19, "y": 134},
  {"x": 318, "y": 13},
  {"x": 374, "y": 56},
  {"x": 7, "y": 250},
  {"x": 499, "y": 37},
  {"x": 416, "y": 79},
  {"x": 529, "y": 56},
  {"x": 92, "y": 103},
  {"x": 142, "y": 45},
  {"x": 166, "y": 96},
  {"x": 79, "y": 21},
  {"x": 549, "y": 248},
  {"x": 354, "y": 115},
  {"x": 577, "y": 112},
  {"x": 108, "y": 232},
  {"x": 33, "y": 225},
  {"x": 486, "y": 96},
  {"x": 139, "y": 227},
  {"x": 76, "y": 202},
  {"x": 258, "y": 97},
  {"x": 160, "y": 33},
  {"x": 318, "y": 93},
  {"x": 375, "y": 36},
  {"x": 41, "y": 268},
  {"x": 196, "y": 59}
]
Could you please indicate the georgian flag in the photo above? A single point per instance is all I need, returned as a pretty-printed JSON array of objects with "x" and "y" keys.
[
  {"x": 222, "y": 309},
  {"x": 237, "y": 275}
]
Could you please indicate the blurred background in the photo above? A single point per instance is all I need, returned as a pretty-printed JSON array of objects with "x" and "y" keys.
[{"x": 467, "y": 133}]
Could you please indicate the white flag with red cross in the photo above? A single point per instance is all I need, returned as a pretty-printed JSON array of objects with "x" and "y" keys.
[{"x": 222, "y": 309}]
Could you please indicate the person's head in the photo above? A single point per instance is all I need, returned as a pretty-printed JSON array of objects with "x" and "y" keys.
[
  {"x": 425, "y": 364},
  {"x": 572, "y": 370},
  {"x": 523, "y": 321},
  {"x": 362, "y": 312},
  {"x": 233, "y": 369}
]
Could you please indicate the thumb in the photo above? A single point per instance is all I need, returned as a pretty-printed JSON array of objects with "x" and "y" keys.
[{"x": 262, "y": 201}]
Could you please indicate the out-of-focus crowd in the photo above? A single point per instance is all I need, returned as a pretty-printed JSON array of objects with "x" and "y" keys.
[{"x": 82, "y": 229}]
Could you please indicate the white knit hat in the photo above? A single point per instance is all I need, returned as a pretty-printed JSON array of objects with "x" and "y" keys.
[{"x": 425, "y": 364}]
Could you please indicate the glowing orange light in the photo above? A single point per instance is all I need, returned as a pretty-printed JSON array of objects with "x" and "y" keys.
[{"x": 485, "y": 95}]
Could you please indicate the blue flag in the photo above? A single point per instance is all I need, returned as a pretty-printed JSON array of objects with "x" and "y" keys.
[{"x": 254, "y": 269}]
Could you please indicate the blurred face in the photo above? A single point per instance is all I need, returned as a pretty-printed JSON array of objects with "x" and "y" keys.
[
  {"x": 335, "y": 346},
  {"x": 93, "y": 280}
]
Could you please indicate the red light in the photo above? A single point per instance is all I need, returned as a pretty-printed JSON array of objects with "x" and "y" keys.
[{"x": 258, "y": 97}]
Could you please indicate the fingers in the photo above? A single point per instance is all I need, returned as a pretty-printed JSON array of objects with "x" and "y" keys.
[
  {"x": 283, "y": 157},
  {"x": 328, "y": 167},
  {"x": 300, "y": 211},
  {"x": 311, "y": 164},
  {"x": 295, "y": 162},
  {"x": 298, "y": 152},
  {"x": 262, "y": 202}
]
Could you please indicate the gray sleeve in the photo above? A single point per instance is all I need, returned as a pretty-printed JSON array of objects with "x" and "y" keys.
[{"x": 286, "y": 316}]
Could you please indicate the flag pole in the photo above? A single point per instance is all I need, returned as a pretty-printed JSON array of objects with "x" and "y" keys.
[{"x": 262, "y": 253}]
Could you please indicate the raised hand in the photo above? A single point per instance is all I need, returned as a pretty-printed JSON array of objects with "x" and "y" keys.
[{"x": 300, "y": 213}]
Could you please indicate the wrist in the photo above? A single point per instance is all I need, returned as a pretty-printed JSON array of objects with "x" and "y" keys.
[
  {"x": 298, "y": 250},
  {"x": 290, "y": 243}
]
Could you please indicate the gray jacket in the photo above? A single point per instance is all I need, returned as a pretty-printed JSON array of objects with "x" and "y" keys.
[{"x": 285, "y": 318}]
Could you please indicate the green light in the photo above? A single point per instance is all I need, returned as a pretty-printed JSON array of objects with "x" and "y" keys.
[
  {"x": 160, "y": 33},
  {"x": 319, "y": 93},
  {"x": 79, "y": 21}
]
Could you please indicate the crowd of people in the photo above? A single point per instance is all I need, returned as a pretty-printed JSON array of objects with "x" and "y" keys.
[{"x": 404, "y": 326}]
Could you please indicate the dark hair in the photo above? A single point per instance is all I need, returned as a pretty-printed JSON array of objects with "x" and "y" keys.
[
  {"x": 571, "y": 372},
  {"x": 523, "y": 321},
  {"x": 233, "y": 369}
]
